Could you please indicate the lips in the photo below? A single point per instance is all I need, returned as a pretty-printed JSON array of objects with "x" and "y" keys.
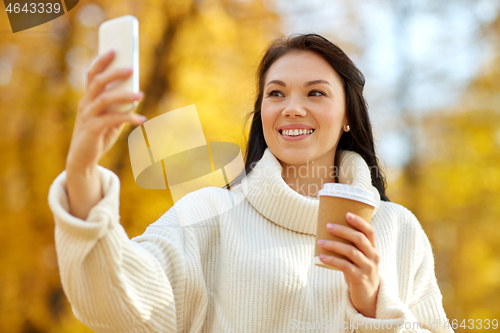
[{"x": 294, "y": 126}]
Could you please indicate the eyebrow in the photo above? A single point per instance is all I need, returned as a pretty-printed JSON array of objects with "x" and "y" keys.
[{"x": 307, "y": 84}]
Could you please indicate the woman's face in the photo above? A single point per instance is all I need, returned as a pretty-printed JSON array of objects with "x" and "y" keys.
[{"x": 302, "y": 91}]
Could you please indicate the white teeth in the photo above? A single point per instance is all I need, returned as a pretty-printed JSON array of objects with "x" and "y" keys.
[{"x": 296, "y": 132}]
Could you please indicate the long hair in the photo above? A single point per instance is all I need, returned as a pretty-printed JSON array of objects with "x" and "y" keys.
[{"x": 358, "y": 139}]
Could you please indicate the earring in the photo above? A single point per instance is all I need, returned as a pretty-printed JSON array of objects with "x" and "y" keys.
[{"x": 348, "y": 128}]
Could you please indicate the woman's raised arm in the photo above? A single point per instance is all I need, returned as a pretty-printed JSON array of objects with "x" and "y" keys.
[{"x": 112, "y": 283}]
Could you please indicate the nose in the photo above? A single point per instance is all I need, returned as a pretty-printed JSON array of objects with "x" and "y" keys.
[{"x": 294, "y": 108}]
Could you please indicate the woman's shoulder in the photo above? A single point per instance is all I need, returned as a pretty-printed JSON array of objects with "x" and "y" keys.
[
  {"x": 207, "y": 203},
  {"x": 398, "y": 215},
  {"x": 213, "y": 198},
  {"x": 401, "y": 223}
]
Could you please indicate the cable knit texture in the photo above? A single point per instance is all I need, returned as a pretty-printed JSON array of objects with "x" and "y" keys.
[{"x": 238, "y": 261}]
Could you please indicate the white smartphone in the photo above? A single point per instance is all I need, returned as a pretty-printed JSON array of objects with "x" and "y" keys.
[{"x": 122, "y": 35}]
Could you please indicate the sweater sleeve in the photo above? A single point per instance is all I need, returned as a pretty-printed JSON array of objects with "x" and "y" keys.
[
  {"x": 113, "y": 284},
  {"x": 424, "y": 313}
]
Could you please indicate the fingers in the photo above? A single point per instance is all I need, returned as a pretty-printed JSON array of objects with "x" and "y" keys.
[
  {"x": 359, "y": 223},
  {"x": 349, "y": 251},
  {"x": 355, "y": 237},
  {"x": 342, "y": 264},
  {"x": 98, "y": 66},
  {"x": 116, "y": 119},
  {"x": 100, "y": 81},
  {"x": 104, "y": 100}
]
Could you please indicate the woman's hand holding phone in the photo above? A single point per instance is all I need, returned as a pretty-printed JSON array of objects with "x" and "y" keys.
[{"x": 95, "y": 132}]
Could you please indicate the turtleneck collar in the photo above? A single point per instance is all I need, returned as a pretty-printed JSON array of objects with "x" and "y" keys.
[{"x": 268, "y": 193}]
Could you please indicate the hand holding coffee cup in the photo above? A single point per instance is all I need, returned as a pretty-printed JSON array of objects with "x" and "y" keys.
[
  {"x": 336, "y": 201},
  {"x": 350, "y": 246}
]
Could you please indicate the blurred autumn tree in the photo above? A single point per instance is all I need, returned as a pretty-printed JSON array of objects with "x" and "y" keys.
[
  {"x": 455, "y": 191},
  {"x": 191, "y": 52}
]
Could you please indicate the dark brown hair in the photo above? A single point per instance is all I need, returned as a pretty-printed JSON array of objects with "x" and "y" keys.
[{"x": 358, "y": 139}]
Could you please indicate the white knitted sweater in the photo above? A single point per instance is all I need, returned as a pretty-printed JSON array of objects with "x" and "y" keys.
[{"x": 238, "y": 261}]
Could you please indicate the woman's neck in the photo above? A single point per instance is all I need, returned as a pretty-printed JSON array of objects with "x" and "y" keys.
[{"x": 308, "y": 178}]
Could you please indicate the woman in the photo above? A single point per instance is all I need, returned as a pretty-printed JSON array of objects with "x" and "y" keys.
[{"x": 205, "y": 268}]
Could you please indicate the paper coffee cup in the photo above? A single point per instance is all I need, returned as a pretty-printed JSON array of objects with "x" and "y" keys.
[{"x": 335, "y": 200}]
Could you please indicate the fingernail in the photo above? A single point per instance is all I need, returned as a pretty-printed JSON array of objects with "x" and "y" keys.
[
  {"x": 350, "y": 216},
  {"x": 329, "y": 226},
  {"x": 321, "y": 242},
  {"x": 110, "y": 52},
  {"x": 143, "y": 118},
  {"x": 139, "y": 95},
  {"x": 322, "y": 256}
]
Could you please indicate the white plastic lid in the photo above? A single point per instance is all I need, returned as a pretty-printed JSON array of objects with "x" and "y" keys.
[{"x": 350, "y": 192}]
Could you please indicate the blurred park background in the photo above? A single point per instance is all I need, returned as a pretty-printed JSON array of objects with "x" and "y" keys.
[{"x": 433, "y": 86}]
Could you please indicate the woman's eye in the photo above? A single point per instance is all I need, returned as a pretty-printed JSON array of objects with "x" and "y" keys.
[
  {"x": 317, "y": 91},
  {"x": 314, "y": 93},
  {"x": 273, "y": 93}
]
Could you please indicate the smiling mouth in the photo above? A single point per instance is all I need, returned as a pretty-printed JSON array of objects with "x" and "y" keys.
[{"x": 295, "y": 133}]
